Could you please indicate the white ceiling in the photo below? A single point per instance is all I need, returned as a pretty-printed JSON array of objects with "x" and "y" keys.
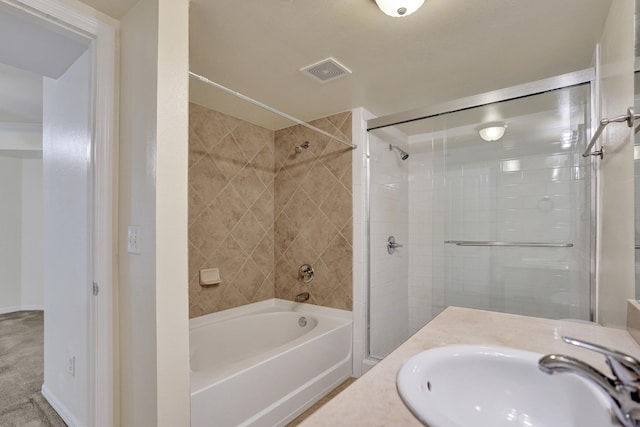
[
  {"x": 37, "y": 46},
  {"x": 447, "y": 50}
]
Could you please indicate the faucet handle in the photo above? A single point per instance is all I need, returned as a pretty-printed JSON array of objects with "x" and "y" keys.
[{"x": 625, "y": 368}]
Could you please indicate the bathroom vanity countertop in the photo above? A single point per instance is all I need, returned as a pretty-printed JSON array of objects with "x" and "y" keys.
[{"x": 373, "y": 400}]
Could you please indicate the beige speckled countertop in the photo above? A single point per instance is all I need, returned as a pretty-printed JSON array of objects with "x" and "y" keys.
[{"x": 373, "y": 400}]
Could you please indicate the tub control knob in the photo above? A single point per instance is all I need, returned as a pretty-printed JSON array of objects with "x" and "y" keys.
[{"x": 305, "y": 273}]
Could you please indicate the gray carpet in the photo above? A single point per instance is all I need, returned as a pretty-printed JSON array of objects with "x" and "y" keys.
[{"x": 22, "y": 372}]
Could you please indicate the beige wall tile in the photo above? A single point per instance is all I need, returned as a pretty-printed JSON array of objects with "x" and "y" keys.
[
  {"x": 313, "y": 209},
  {"x": 263, "y": 209},
  {"x": 208, "y": 125},
  {"x": 248, "y": 185},
  {"x": 337, "y": 206},
  {"x": 248, "y": 232},
  {"x": 338, "y": 256},
  {"x": 250, "y": 279},
  {"x": 230, "y": 210},
  {"x": 320, "y": 232},
  {"x": 229, "y": 207},
  {"x": 284, "y": 186},
  {"x": 229, "y": 157},
  {"x": 257, "y": 210},
  {"x": 207, "y": 179}
]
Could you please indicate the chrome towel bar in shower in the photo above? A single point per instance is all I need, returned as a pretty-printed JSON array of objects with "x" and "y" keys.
[
  {"x": 630, "y": 118},
  {"x": 523, "y": 244}
]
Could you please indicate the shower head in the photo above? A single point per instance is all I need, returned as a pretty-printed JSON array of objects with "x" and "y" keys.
[
  {"x": 403, "y": 154},
  {"x": 298, "y": 148}
]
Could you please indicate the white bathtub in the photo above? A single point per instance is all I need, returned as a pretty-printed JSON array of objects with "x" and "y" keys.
[{"x": 256, "y": 366}]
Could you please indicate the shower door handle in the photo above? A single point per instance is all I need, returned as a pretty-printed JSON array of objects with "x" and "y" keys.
[{"x": 392, "y": 245}]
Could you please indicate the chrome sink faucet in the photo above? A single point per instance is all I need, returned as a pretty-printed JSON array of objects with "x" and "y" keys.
[{"x": 623, "y": 389}]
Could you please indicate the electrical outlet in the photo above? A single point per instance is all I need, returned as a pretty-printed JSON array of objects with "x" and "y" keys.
[
  {"x": 133, "y": 239},
  {"x": 72, "y": 366}
]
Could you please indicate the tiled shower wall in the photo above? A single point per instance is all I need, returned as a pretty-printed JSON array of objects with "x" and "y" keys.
[
  {"x": 313, "y": 212},
  {"x": 240, "y": 175},
  {"x": 426, "y": 226},
  {"x": 389, "y": 216},
  {"x": 230, "y": 210}
]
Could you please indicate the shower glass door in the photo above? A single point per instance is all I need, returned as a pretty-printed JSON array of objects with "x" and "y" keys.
[
  {"x": 502, "y": 225},
  {"x": 517, "y": 211}
]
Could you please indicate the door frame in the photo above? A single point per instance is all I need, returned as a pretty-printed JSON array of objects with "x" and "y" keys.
[{"x": 103, "y": 333}]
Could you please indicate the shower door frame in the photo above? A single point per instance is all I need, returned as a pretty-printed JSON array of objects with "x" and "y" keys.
[{"x": 562, "y": 81}]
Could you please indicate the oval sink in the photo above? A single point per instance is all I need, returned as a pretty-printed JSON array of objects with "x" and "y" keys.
[{"x": 470, "y": 385}]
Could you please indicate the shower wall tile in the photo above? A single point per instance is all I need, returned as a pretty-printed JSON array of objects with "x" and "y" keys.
[
  {"x": 544, "y": 200},
  {"x": 313, "y": 212},
  {"x": 231, "y": 196},
  {"x": 421, "y": 239},
  {"x": 257, "y": 210},
  {"x": 389, "y": 215}
]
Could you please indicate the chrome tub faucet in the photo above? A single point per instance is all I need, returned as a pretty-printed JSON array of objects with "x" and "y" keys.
[{"x": 623, "y": 390}]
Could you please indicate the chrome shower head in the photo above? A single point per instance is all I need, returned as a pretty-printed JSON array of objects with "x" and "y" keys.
[
  {"x": 298, "y": 148},
  {"x": 403, "y": 154}
]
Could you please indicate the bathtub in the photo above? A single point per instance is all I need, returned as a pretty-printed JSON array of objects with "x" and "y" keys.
[{"x": 265, "y": 363}]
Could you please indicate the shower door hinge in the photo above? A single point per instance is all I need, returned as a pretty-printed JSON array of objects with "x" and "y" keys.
[{"x": 96, "y": 289}]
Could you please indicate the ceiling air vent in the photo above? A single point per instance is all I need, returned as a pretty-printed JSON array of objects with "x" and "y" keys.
[{"x": 326, "y": 70}]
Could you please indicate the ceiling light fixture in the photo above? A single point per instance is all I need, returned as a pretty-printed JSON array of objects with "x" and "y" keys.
[
  {"x": 399, "y": 8},
  {"x": 492, "y": 131}
]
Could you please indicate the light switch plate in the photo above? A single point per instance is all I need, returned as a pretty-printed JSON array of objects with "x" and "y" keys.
[{"x": 133, "y": 239}]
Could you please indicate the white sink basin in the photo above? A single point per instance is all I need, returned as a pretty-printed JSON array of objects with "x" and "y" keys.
[{"x": 468, "y": 385}]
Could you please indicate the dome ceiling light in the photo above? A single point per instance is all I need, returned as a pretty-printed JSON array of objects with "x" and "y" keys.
[
  {"x": 492, "y": 131},
  {"x": 399, "y": 8}
]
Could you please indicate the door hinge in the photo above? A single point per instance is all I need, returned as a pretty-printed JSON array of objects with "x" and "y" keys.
[{"x": 96, "y": 289}]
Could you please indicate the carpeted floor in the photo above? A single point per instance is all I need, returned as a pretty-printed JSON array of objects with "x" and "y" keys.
[{"x": 21, "y": 372}]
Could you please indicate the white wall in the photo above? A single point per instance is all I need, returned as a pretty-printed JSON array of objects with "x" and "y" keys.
[
  {"x": 11, "y": 242},
  {"x": 616, "y": 238},
  {"x": 21, "y": 219},
  {"x": 66, "y": 166},
  {"x": 389, "y": 214},
  {"x": 137, "y": 275},
  {"x": 153, "y": 299},
  {"x": 32, "y": 235},
  {"x": 172, "y": 304}
]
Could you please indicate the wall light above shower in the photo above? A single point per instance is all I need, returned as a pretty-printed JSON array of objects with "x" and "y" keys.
[
  {"x": 492, "y": 131},
  {"x": 403, "y": 154}
]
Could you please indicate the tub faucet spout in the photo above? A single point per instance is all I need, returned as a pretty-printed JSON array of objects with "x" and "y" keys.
[
  {"x": 623, "y": 390},
  {"x": 304, "y": 296}
]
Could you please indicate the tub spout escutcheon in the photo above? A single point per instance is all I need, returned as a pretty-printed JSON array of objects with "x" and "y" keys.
[{"x": 303, "y": 297}]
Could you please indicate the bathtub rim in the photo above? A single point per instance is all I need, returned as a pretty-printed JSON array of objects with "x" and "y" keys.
[{"x": 267, "y": 306}]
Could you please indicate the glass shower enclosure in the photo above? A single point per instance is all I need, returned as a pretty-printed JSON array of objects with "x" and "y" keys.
[{"x": 502, "y": 225}]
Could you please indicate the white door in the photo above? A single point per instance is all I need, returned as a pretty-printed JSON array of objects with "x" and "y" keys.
[{"x": 67, "y": 239}]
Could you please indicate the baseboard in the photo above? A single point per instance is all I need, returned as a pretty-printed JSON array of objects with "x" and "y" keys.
[
  {"x": 5, "y": 310},
  {"x": 32, "y": 308},
  {"x": 59, "y": 408}
]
